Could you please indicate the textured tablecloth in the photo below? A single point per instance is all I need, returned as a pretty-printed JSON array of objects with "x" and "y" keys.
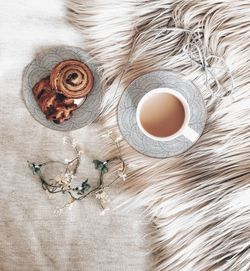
[{"x": 32, "y": 236}]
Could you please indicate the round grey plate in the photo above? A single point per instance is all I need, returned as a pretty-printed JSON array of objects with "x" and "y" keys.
[
  {"x": 41, "y": 67},
  {"x": 127, "y": 113}
]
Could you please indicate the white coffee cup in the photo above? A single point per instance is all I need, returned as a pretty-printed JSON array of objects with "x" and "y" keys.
[{"x": 184, "y": 130}]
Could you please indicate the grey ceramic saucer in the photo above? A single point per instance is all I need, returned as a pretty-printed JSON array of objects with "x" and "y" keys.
[
  {"x": 127, "y": 113},
  {"x": 41, "y": 67}
]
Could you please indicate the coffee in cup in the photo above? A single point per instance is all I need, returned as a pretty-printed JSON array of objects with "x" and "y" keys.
[{"x": 163, "y": 114}]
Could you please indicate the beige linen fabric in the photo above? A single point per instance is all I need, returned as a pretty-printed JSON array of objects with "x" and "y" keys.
[{"x": 32, "y": 236}]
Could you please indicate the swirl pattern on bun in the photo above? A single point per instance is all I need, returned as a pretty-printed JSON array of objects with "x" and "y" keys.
[{"x": 72, "y": 78}]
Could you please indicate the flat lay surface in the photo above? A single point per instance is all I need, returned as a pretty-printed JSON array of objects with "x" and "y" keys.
[
  {"x": 33, "y": 236},
  {"x": 187, "y": 212},
  {"x": 198, "y": 201}
]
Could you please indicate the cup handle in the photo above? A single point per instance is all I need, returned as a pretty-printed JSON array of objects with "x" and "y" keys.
[{"x": 190, "y": 134}]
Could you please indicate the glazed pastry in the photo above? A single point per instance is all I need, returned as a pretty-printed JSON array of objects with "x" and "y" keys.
[
  {"x": 41, "y": 87},
  {"x": 61, "y": 113},
  {"x": 72, "y": 78},
  {"x": 56, "y": 107},
  {"x": 44, "y": 95}
]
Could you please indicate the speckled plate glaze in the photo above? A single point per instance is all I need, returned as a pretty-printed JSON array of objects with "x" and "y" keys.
[
  {"x": 127, "y": 113},
  {"x": 41, "y": 67}
]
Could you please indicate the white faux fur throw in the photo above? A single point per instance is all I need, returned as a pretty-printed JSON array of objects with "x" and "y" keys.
[{"x": 198, "y": 202}]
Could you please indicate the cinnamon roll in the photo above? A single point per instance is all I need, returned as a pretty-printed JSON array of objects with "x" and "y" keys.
[{"x": 72, "y": 78}]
